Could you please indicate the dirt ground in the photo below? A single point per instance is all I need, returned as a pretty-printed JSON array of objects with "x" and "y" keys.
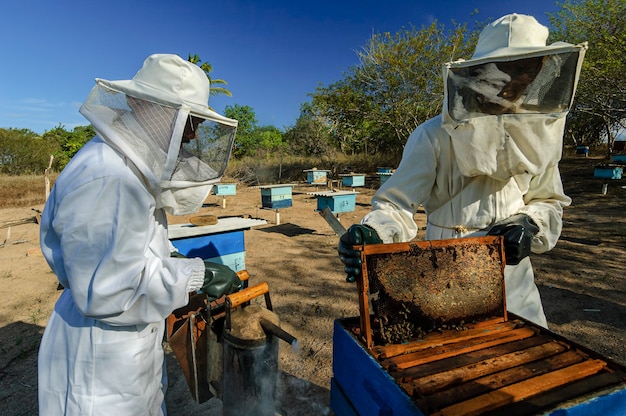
[{"x": 581, "y": 282}]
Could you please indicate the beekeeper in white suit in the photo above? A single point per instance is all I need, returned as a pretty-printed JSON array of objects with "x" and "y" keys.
[
  {"x": 104, "y": 234},
  {"x": 488, "y": 163}
]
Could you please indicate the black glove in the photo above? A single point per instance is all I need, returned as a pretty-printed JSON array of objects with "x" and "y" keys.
[
  {"x": 357, "y": 234},
  {"x": 518, "y": 231},
  {"x": 219, "y": 280}
]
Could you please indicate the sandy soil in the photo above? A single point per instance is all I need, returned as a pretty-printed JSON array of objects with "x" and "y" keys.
[{"x": 581, "y": 282}]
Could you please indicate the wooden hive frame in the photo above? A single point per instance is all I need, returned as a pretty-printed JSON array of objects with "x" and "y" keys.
[{"x": 456, "y": 254}]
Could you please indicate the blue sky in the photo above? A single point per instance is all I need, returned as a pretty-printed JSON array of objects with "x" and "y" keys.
[{"x": 272, "y": 53}]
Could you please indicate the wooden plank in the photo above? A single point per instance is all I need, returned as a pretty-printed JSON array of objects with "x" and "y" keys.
[
  {"x": 523, "y": 390},
  {"x": 36, "y": 219},
  {"x": 436, "y": 382},
  {"x": 439, "y": 353},
  {"x": 585, "y": 391},
  {"x": 469, "y": 358},
  {"x": 223, "y": 224},
  {"x": 362, "y": 283},
  {"x": 403, "y": 247},
  {"x": 446, "y": 337},
  {"x": 491, "y": 382}
]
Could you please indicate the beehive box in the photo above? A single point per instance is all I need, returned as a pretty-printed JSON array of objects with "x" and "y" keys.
[
  {"x": 276, "y": 196},
  {"x": 619, "y": 159},
  {"x": 434, "y": 338},
  {"x": 316, "y": 176},
  {"x": 608, "y": 172},
  {"x": 336, "y": 201},
  {"x": 221, "y": 243},
  {"x": 353, "y": 180},
  {"x": 510, "y": 369},
  {"x": 225, "y": 189},
  {"x": 384, "y": 176}
]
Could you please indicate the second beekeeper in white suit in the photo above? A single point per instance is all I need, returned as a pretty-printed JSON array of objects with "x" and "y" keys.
[
  {"x": 489, "y": 163},
  {"x": 159, "y": 148}
]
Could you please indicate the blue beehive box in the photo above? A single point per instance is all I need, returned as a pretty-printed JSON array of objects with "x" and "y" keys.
[
  {"x": 353, "y": 180},
  {"x": 337, "y": 202},
  {"x": 621, "y": 159},
  {"x": 276, "y": 196},
  {"x": 582, "y": 150},
  {"x": 608, "y": 172},
  {"x": 224, "y": 189},
  {"x": 384, "y": 176},
  {"x": 316, "y": 176},
  {"x": 383, "y": 170},
  {"x": 362, "y": 386},
  {"x": 221, "y": 243},
  {"x": 223, "y": 248}
]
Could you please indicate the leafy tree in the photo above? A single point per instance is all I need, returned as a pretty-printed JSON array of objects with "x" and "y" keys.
[
  {"x": 208, "y": 68},
  {"x": 600, "y": 104},
  {"x": 245, "y": 141},
  {"x": 396, "y": 87},
  {"x": 23, "y": 151},
  {"x": 310, "y": 136},
  {"x": 68, "y": 143},
  {"x": 270, "y": 139},
  {"x": 345, "y": 108}
]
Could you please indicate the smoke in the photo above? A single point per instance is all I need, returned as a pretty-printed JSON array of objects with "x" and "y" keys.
[
  {"x": 298, "y": 396},
  {"x": 250, "y": 376}
]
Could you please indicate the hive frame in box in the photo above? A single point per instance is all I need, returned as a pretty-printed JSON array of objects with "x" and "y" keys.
[{"x": 369, "y": 250}]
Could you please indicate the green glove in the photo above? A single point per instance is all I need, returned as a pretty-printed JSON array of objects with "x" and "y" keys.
[
  {"x": 219, "y": 280},
  {"x": 518, "y": 231},
  {"x": 357, "y": 234}
]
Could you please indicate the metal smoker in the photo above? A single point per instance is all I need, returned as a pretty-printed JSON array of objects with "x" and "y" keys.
[
  {"x": 228, "y": 349},
  {"x": 250, "y": 354}
]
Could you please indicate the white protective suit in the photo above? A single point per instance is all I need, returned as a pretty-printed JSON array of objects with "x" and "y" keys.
[
  {"x": 470, "y": 171},
  {"x": 104, "y": 234}
]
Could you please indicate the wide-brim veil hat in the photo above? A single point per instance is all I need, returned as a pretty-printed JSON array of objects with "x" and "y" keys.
[
  {"x": 170, "y": 80},
  {"x": 514, "y": 36}
]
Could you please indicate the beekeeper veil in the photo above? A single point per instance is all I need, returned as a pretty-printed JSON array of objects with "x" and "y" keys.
[
  {"x": 505, "y": 108},
  {"x": 161, "y": 121}
]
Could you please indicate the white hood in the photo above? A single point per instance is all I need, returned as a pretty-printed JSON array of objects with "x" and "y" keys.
[
  {"x": 144, "y": 118},
  {"x": 524, "y": 133}
]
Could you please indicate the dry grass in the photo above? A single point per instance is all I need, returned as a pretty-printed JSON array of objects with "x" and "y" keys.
[
  {"x": 27, "y": 190},
  {"x": 22, "y": 190}
]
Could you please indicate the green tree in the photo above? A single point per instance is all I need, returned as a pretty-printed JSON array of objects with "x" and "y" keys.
[
  {"x": 310, "y": 136},
  {"x": 345, "y": 108},
  {"x": 270, "y": 140},
  {"x": 600, "y": 104},
  {"x": 23, "y": 151},
  {"x": 208, "y": 68},
  {"x": 396, "y": 87},
  {"x": 245, "y": 141},
  {"x": 68, "y": 143}
]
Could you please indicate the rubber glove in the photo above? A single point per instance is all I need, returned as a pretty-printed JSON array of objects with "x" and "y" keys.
[
  {"x": 219, "y": 280},
  {"x": 518, "y": 231},
  {"x": 357, "y": 234}
]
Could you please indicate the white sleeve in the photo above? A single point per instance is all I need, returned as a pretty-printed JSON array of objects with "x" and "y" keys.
[
  {"x": 114, "y": 259},
  {"x": 397, "y": 200},
  {"x": 544, "y": 202}
]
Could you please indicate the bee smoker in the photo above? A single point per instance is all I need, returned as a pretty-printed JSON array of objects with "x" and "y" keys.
[{"x": 250, "y": 355}]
